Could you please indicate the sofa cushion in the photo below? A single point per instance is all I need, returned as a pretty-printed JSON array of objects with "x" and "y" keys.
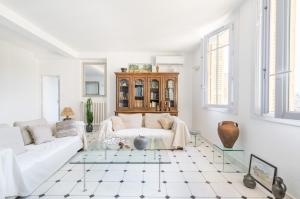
[
  {"x": 66, "y": 128},
  {"x": 132, "y": 120},
  {"x": 152, "y": 120},
  {"x": 11, "y": 137},
  {"x": 25, "y": 133},
  {"x": 166, "y": 122},
  {"x": 40, "y": 134},
  {"x": 66, "y": 133},
  {"x": 117, "y": 123}
]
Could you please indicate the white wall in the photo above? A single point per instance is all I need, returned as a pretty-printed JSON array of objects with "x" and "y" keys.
[
  {"x": 70, "y": 70},
  {"x": 276, "y": 143},
  {"x": 19, "y": 84}
]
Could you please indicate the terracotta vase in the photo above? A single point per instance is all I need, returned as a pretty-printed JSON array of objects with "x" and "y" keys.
[{"x": 228, "y": 132}]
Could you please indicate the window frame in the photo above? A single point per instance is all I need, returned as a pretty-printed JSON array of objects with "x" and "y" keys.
[
  {"x": 230, "y": 105},
  {"x": 282, "y": 69}
]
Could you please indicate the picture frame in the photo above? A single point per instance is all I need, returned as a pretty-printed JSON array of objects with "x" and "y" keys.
[
  {"x": 263, "y": 172},
  {"x": 142, "y": 67}
]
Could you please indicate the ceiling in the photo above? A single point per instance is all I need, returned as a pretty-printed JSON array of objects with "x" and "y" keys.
[{"x": 122, "y": 25}]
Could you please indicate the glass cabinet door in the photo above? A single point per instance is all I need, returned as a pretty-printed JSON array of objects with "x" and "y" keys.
[
  {"x": 139, "y": 93},
  {"x": 124, "y": 93},
  {"x": 154, "y": 93},
  {"x": 170, "y": 94}
]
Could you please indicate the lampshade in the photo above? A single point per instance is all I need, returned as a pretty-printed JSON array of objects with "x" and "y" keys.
[{"x": 67, "y": 112}]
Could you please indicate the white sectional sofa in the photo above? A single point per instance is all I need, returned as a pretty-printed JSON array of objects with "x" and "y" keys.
[
  {"x": 176, "y": 137},
  {"x": 25, "y": 171}
]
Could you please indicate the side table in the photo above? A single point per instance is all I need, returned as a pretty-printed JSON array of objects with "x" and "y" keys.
[
  {"x": 195, "y": 133},
  {"x": 225, "y": 151}
]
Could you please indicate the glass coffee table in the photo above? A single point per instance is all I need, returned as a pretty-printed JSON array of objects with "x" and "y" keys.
[{"x": 117, "y": 151}]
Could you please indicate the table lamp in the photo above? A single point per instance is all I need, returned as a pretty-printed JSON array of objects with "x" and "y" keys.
[{"x": 67, "y": 113}]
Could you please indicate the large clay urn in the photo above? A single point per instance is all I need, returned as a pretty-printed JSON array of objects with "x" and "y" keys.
[{"x": 228, "y": 132}]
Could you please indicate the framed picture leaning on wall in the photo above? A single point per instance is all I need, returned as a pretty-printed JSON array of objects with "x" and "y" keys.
[{"x": 263, "y": 172}]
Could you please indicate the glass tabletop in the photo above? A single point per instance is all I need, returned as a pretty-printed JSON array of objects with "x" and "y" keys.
[
  {"x": 116, "y": 150},
  {"x": 195, "y": 132},
  {"x": 222, "y": 148}
]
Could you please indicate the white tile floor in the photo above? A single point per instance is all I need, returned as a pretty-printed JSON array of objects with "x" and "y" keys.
[{"x": 191, "y": 175}]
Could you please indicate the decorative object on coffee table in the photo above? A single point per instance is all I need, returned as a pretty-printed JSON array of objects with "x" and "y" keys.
[
  {"x": 140, "y": 142},
  {"x": 279, "y": 188},
  {"x": 249, "y": 181},
  {"x": 263, "y": 172},
  {"x": 89, "y": 115},
  {"x": 228, "y": 132},
  {"x": 67, "y": 113}
]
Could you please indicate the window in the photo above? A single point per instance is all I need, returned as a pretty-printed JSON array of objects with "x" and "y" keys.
[
  {"x": 218, "y": 69},
  {"x": 279, "y": 42}
]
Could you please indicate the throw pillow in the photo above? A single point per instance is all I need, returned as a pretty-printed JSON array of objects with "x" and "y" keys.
[
  {"x": 152, "y": 120},
  {"x": 11, "y": 137},
  {"x": 40, "y": 134},
  {"x": 117, "y": 123},
  {"x": 132, "y": 121},
  {"x": 166, "y": 122},
  {"x": 66, "y": 128},
  {"x": 66, "y": 133},
  {"x": 25, "y": 133}
]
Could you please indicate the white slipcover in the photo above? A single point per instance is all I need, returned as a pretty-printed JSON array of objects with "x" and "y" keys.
[
  {"x": 11, "y": 180},
  {"x": 177, "y": 137},
  {"x": 21, "y": 174}
]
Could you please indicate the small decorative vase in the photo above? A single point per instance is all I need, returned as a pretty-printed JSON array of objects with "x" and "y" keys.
[
  {"x": 140, "y": 142},
  {"x": 278, "y": 188},
  {"x": 157, "y": 68},
  {"x": 249, "y": 181},
  {"x": 228, "y": 132},
  {"x": 124, "y": 70},
  {"x": 89, "y": 128}
]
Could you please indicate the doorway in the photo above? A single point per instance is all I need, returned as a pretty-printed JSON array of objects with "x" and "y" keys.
[{"x": 51, "y": 98}]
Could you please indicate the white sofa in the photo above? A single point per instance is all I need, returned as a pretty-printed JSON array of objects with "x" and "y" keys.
[
  {"x": 176, "y": 137},
  {"x": 24, "y": 172}
]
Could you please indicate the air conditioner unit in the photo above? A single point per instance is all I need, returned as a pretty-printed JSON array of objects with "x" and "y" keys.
[{"x": 169, "y": 60}]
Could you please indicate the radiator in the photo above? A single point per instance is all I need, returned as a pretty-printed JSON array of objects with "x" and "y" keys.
[{"x": 99, "y": 112}]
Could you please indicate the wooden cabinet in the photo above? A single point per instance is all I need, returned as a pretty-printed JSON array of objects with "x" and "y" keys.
[{"x": 146, "y": 92}]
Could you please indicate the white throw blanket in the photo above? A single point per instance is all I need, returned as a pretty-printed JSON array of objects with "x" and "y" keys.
[
  {"x": 11, "y": 180},
  {"x": 182, "y": 134},
  {"x": 180, "y": 129}
]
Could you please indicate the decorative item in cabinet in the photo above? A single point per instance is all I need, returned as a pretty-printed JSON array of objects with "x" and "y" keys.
[
  {"x": 139, "y": 87},
  {"x": 170, "y": 94},
  {"x": 124, "y": 93},
  {"x": 154, "y": 93}
]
